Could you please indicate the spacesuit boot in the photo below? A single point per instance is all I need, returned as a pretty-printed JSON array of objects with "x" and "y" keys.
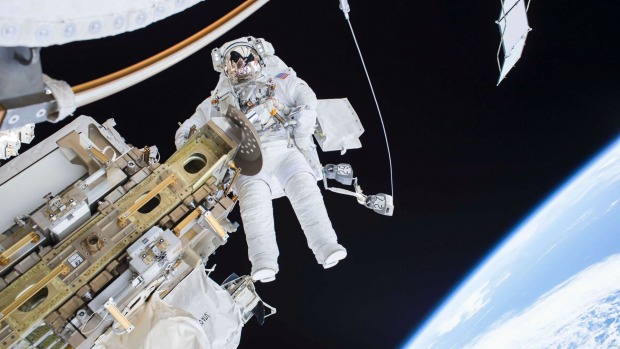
[
  {"x": 257, "y": 216},
  {"x": 307, "y": 201}
]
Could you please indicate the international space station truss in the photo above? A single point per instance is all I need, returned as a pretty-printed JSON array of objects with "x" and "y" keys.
[{"x": 88, "y": 256}]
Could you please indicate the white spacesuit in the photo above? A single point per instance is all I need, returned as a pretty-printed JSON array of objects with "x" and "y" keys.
[{"x": 282, "y": 107}]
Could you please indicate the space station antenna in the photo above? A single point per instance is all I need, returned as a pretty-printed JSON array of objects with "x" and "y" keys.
[{"x": 344, "y": 6}]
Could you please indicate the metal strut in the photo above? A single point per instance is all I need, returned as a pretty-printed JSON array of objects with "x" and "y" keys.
[{"x": 343, "y": 173}]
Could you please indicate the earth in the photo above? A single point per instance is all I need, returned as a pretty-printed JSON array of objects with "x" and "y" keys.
[{"x": 553, "y": 283}]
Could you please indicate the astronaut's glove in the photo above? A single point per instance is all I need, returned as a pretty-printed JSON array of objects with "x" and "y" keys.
[
  {"x": 260, "y": 115},
  {"x": 274, "y": 105},
  {"x": 307, "y": 148},
  {"x": 179, "y": 141}
]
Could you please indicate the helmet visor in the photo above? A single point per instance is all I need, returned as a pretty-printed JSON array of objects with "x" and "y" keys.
[{"x": 242, "y": 64}]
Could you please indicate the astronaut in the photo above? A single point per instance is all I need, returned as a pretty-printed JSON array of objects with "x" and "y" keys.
[{"x": 282, "y": 108}]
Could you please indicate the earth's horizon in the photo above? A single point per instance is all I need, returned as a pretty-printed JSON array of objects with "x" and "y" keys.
[{"x": 553, "y": 282}]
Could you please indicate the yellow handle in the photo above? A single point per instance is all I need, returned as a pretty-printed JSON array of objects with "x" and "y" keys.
[
  {"x": 113, "y": 310},
  {"x": 190, "y": 217},
  {"x": 5, "y": 256},
  {"x": 24, "y": 297},
  {"x": 122, "y": 220},
  {"x": 215, "y": 225}
]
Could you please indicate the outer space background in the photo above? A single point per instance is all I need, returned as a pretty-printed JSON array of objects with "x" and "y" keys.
[{"x": 471, "y": 159}]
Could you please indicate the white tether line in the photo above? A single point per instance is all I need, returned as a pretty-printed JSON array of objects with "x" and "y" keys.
[{"x": 387, "y": 145}]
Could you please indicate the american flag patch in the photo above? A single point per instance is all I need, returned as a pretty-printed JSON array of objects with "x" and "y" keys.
[{"x": 282, "y": 76}]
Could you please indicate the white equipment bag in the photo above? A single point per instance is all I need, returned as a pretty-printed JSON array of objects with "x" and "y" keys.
[
  {"x": 339, "y": 126},
  {"x": 198, "y": 313}
]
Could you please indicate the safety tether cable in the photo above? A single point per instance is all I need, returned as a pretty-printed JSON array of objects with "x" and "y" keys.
[{"x": 344, "y": 6}]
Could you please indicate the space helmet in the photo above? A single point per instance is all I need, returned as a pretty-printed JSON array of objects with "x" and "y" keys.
[
  {"x": 241, "y": 60},
  {"x": 241, "y": 64}
]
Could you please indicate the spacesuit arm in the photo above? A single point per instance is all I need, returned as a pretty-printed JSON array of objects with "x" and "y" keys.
[
  {"x": 306, "y": 119},
  {"x": 199, "y": 118}
]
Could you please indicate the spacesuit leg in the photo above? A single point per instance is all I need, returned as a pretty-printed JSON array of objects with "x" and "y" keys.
[
  {"x": 257, "y": 216},
  {"x": 307, "y": 201}
]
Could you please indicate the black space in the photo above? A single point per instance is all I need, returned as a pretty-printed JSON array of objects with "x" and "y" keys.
[{"x": 471, "y": 160}]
